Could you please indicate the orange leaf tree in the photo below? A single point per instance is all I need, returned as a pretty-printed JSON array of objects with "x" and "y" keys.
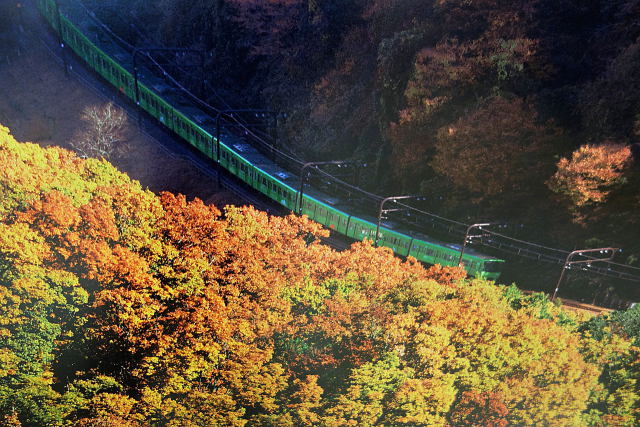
[
  {"x": 145, "y": 309},
  {"x": 592, "y": 173}
]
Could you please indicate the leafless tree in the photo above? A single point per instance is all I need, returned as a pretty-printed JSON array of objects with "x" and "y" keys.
[{"x": 103, "y": 135}]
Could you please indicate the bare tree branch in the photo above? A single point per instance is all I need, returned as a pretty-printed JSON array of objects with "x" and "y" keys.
[{"x": 103, "y": 136}]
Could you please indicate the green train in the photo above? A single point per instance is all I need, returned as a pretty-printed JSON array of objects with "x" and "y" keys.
[{"x": 246, "y": 162}]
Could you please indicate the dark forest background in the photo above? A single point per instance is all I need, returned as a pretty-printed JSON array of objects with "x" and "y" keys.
[{"x": 526, "y": 111}]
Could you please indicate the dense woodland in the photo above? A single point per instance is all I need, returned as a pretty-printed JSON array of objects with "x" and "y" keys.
[
  {"x": 119, "y": 307},
  {"x": 523, "y": 111}
]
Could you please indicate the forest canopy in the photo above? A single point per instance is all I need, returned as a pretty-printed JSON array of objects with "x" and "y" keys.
[{"x": 122, "y": 307}]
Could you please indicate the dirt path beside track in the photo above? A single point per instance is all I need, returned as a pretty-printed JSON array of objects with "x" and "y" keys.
[{"x": 40, "y": 104}]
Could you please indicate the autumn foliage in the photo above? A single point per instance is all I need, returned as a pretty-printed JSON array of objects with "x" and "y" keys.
[
  {"x": 504, "y": 130},
  {"x": 121, "y": 307},
  {"x": 592, "y": 172}
]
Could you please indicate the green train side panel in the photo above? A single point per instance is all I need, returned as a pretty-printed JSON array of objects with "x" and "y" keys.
[
  {"x": 48, "y": 10},
  {"x": 339, "y": 221},
  {"x": 326, "y": 215},
  {"x": 152, "y": 103},
  {"x": 203, "y": 141},
  {"x": 445, "y": 256},
  {"x": 263, "y": 183},
  {"x": 308, "y": 206},
  {"x": 360, "y": 229},
  {"x": 423, "y": 252},
  {"x": 320, "y": 212},
  {"x": 243, "y": 170},
  {"x": 435, "y": 254},
  {"x": 284, "y": 195},
  {"x": 271, "y": 187},
  {"x": 191, "y": 133},
  {"x": 111, "y": 70},
  {"x": 392, "y": 239},
  {"x": 231, "y": 160}
]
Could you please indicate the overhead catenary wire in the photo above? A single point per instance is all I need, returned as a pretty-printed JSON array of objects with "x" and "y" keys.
[{"x": 501, "y": 242}]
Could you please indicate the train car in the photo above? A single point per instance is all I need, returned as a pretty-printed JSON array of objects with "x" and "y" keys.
[
  {"x": 249, "y": 165},
  {"x": 476, "y": 264}
]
